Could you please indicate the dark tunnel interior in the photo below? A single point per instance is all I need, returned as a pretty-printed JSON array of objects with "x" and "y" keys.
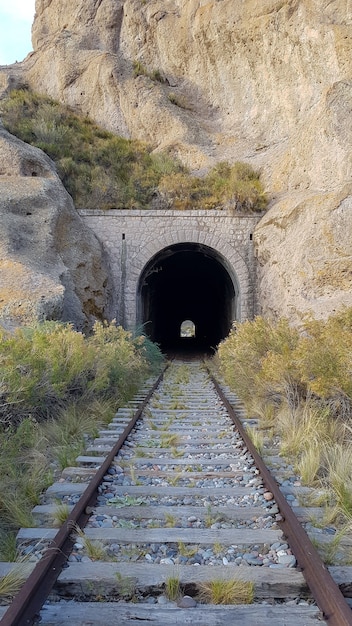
[{"x": 186, "y": 282}]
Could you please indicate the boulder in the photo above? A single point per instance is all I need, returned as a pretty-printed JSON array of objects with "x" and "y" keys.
[{"x": 51, "y": 265}]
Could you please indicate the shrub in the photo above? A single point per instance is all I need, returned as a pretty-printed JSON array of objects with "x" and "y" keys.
[
  {"x": 238, "y": 184},
  {"x": 118, "y": 366},
  {"x": 139, "y": 69},
  {"x": 157, "y": 76},
  {"x": 183, "y": 192},
  {"x": 278, "y": 361},
  {"x": 256, "y": 360},
  {"x": 305, "y": 377},
  {"x": 102, "y": 170},
  {"x": 56, "y": 388},
  {"x": 24, "y": 473},
  {"x": 325, "y": 357},
  {"x": 46, "y": 367},
  {"x": 41, "y": 367}
]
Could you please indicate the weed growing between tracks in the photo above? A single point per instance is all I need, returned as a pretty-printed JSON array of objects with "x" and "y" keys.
[
  {"x": 211, "y": 517},
  {"x": 222, "y": 591},
  {"x": 126, "y": 586},
  {"x": 173, "y": 588},
  {"x": 94, "y": 548},
  {"x": 57, "y": 388},
  {"x": 170, "y": 520},
  {"x": 61, "y": 514}
]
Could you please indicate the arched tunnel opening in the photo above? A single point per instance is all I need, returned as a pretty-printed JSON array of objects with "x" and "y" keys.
[{"x": 187, "y": 286}]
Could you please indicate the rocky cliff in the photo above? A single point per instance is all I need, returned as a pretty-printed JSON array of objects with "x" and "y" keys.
[
  {"x": 51, "y": 265},
  {"x": 265, "y": 81}
]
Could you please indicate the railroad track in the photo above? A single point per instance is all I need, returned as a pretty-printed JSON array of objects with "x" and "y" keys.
[{"x": 171, "y": 499}]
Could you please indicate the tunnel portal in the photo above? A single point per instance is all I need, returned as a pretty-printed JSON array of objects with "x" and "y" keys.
[{"x": 187, "y": 282}]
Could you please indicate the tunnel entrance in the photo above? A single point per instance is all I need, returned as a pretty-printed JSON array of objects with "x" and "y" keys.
[
  {"x": 187, "y": 282},
  {"x": 188, "y": 329}
]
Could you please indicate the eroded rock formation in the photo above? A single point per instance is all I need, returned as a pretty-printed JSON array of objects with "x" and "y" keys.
[
  {"x": 51, "y": 265},
  {"x": 265, "y": 81}
]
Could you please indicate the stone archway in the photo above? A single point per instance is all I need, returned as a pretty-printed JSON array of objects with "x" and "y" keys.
[
  {"x": 187, "y": 281},
  {"x": 132, "y": 238}
]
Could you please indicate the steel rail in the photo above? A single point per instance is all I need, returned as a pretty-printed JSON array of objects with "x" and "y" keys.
[
  {"x": 28, "y": 602},
  {"x": 325, "y": 591}
]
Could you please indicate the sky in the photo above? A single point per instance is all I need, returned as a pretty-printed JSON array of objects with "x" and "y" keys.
[{"x": 16, "y": 18}]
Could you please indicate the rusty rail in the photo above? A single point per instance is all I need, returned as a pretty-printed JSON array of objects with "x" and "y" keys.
[
  {"x": 325, "y": 591},
  {"x": 30, "y": 599},
  {"x": 28, "y": 602}
]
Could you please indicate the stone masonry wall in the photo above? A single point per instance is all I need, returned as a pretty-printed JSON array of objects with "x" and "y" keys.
[{"x": 133, "y": 237}]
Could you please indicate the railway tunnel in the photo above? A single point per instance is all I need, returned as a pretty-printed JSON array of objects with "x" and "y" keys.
[{"x": 187, "y": 298}]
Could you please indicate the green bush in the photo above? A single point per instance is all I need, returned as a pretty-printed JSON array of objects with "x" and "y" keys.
[
  {"x": 119, "y": 365},
  {"x": 45, "y": 367},
  {"x": 24, "y": 473},
  {"x": 256, "y": 361},
  {"x": 274, "y": 359},
  {"x": 325, "y": 357},
  {"x": 56, "y": 388},
  {"x": 41, "y": 367}
]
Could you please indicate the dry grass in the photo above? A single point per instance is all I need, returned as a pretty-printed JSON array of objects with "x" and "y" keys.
[
  {"x": 169, "y": 440},
  {"x": 298, "y": 383},
  {"x": 170, "y": 520},
  {"x": 305, "y": 427},
  {"x": 218, "y": 548},
  {"x": 309, "y": 464},
  {"x": 265, "y": 412},
  {"x": 338, "y": 463},
  {"x": 95, "y": 549},
  {"x": 61, "y": 514},
  {"x": 11, "y": 583},
  {"x": 185, "y": 550},
  {"x": 256, "y": 437},
  {"x": 173, "y": 588},
  {"x": 221, "y": 591}
]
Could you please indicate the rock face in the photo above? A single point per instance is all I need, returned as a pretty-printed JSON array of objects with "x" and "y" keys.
[
  {"x": 305, "y": 255},
  {"x": 265, "y": 81},
  {"x": 51, "y": 265}
]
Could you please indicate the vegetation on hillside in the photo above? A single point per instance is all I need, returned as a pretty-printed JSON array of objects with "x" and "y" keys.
[
  {"x": 57, "y": 387},
  {"x": 104, "y": 171},
  {"x": 238, "y": 184},
  {"x": 298, "y": 383}
]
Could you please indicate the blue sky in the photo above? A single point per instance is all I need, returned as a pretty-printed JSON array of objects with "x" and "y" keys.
[{"x": 16, "y": 18}]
